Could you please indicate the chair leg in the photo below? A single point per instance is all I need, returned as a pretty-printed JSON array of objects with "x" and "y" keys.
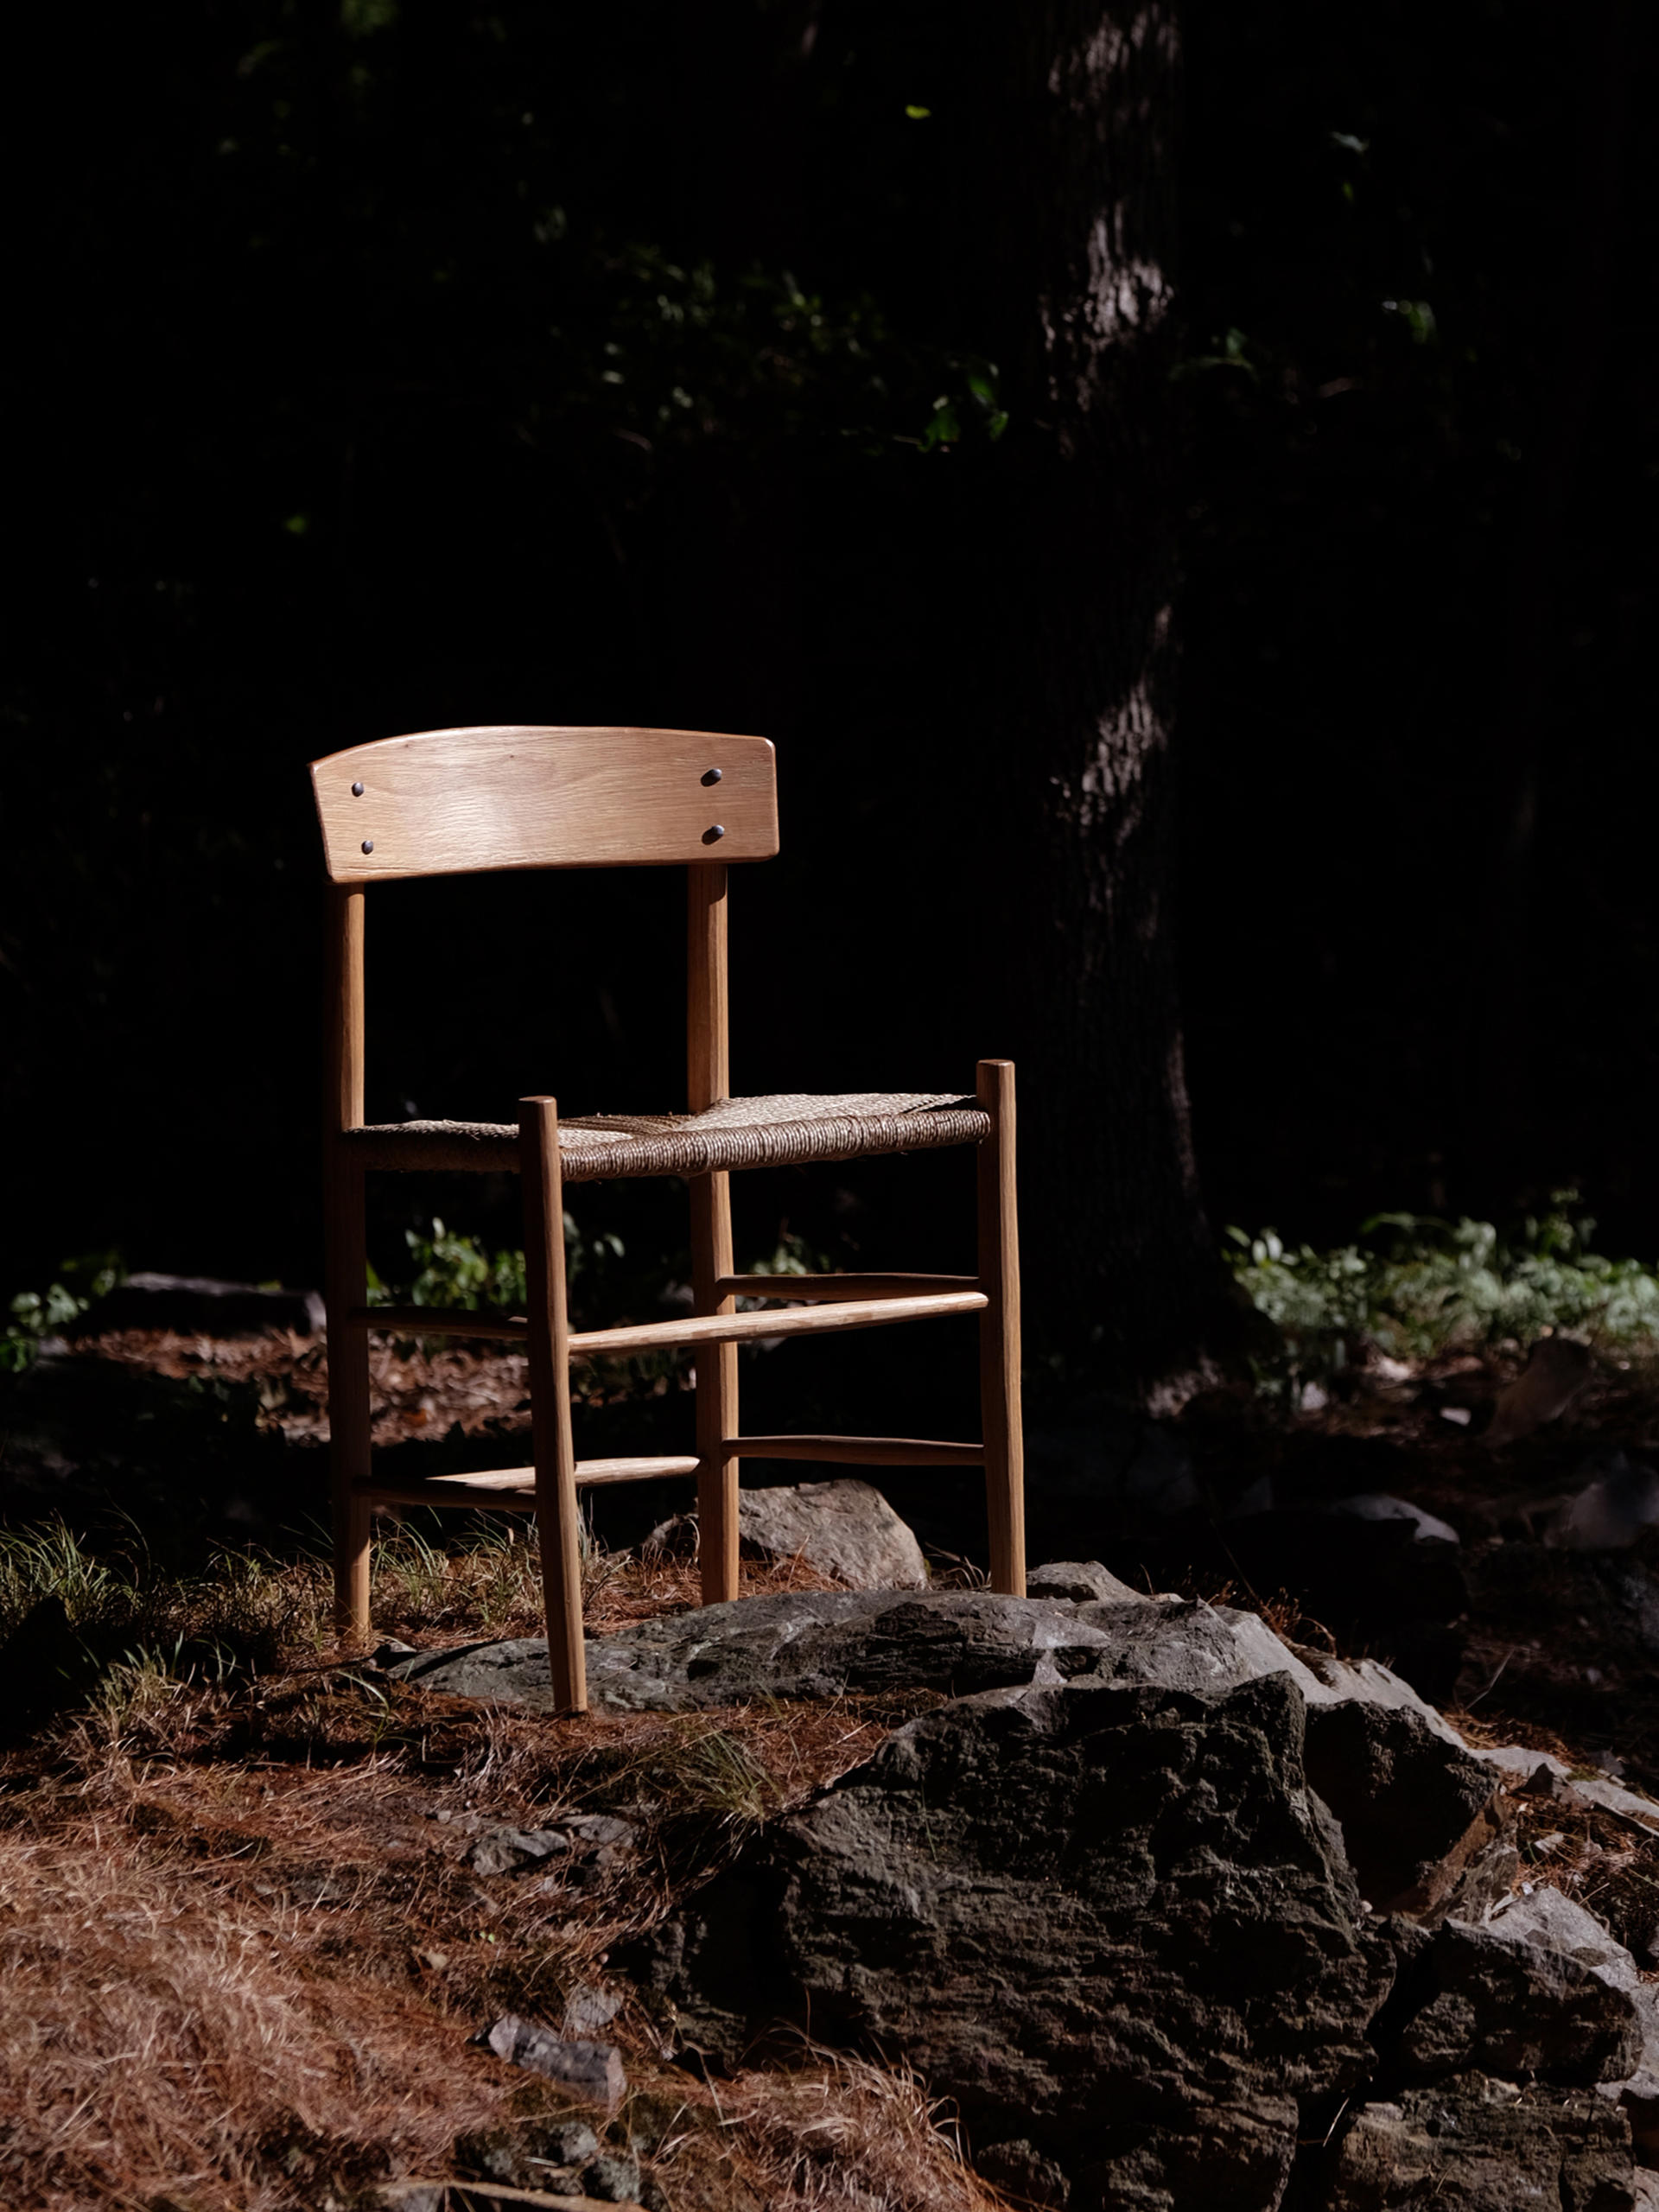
[
  {"x": 999, "y": 1333},
  {"x": 711, "y": 1258},
  {"x": 346, "y": 1278},
  {"x": 557, "y": 1523}
]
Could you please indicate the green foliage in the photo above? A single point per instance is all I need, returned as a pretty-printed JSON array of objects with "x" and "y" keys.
[
  {"x": 38, "y": 1313},
  {"x": 792, "y": 1256},
  {"x": 1420, "y": 1286},
  {"x": 455, "y": 1272},
  {"x": 1232, "y": 355},
  {"x": 676, "y": 354}
]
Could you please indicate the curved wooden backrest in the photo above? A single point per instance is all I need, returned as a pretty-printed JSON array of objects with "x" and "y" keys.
[{"x": 454, "y": 800}]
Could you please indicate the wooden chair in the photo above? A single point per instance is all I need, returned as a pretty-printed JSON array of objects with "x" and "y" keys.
[{"x": 463, "y": 800}]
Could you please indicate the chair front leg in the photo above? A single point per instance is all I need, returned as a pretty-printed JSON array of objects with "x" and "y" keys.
[
  {"x": 711, "y": 1258},
  {"x": 999, "y": 1333},
  {"x": 345, "y": 1279},
  {"x": 557, "y": 1521}
]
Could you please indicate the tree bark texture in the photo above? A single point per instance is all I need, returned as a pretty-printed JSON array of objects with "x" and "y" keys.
[{"x": 1134, "y": 1288}]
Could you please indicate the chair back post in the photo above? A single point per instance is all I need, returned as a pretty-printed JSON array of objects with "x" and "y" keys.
[
  {"x": 709, "y": 1081},
  {"x": 346, "y": 1261},
  {"x": 999, "y": 1332}
]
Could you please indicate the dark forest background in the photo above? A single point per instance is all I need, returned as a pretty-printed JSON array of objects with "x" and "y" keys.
[{"x": 377, "y": 368}]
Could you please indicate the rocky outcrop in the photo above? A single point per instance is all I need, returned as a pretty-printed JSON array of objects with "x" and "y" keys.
[
  {"x": 827, "y": 1643},
  {"x": 1111, "y": 1922},
  {"x": 1166, "y": 1908}
]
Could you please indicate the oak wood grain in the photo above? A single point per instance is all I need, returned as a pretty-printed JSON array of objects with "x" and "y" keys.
[{"x": 451, "y": 801}]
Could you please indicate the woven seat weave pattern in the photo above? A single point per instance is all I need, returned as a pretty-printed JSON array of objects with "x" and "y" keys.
[{"x": 784, "y": 1130}]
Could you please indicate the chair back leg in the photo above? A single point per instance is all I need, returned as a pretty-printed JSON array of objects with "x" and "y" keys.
[
  {"x": 716, "y": 1412},
  {"x": 999, "y": 1333},
  {"x": 557, "y": 1524},
  {"x": 347, "y": 1279}
]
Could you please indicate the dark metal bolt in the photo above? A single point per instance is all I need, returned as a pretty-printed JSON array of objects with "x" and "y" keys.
[
  {"x": 713, "y": 837},
  {"x": 712, "y": 777},
  {"x": 368, "y": 844},
  {"x": 356, "y": 790}
]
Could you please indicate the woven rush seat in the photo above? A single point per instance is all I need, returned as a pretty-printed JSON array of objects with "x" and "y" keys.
[{"x": 783, "y": 1130}]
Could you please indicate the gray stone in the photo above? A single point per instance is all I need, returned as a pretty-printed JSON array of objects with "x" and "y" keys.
[
  {"x": 592, "y": 2070},
  {"x": 1541, "y": 1915},
  {"x": 844, "y": 1529},
  {"x": 1482, "y": 2146},
  {"x": 587, "y": 2009},
  {"x": 1081, "y": 1581},
  {"x": 613, "y": 2178},
  {"x": 1510, "y": 1998},
  {"x": 530, "y": 2153},
  {"x": 1377, "y": 1505},
  {"x": 509, "y": 1851},
  {"x": 1370, "y": 1682},
  {"x": 1111, "y": 1923}
]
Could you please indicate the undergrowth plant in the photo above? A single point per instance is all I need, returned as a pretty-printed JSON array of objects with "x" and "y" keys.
[
  {"x": 1417, "y": 1287},
  {"x": 35, "y": 1314},
  {"x": 455, "y": 1272}
]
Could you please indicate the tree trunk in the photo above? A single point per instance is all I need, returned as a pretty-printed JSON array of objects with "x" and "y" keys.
[{"x": 1126, "y": 1280}]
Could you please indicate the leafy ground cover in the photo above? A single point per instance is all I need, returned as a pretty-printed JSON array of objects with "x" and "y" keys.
[{"x": 1417, "y": 1288}]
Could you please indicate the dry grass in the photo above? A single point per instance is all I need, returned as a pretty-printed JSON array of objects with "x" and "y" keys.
[
  {"x": 843, "y": 2132},
  {"x": 162, "y": 2039},
  {"x": 242, "y": 1951}
]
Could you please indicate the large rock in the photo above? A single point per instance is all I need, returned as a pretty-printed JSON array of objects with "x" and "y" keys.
[
  {"x": 1422, "y": 1817},
  {"x": 1111, "y": 1922},
  {"x": 1482, "y": 2146},
  {"x": 845, "y": 1528},
  {"x": 1539, "y": 1991},
  {"x": 822, "y": 1644}
]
